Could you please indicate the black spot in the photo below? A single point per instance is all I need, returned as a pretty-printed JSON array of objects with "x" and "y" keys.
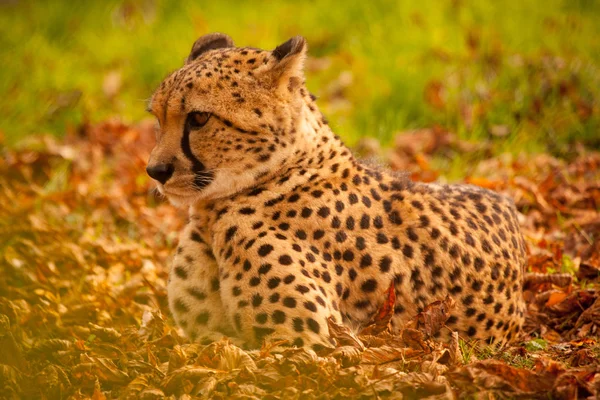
[
  {"x": 254, "y": 281},
  {"x": 230, "y": 232},
  {"x": 257, "y": 225},
  {"x": 313, "y": 325},
  {"x": 352, "y": 274},
  {"x": 385, "y": 263},
  {"x": 264, "y": 269},
  {"x": 407, "y": 250},
  {"x": 278, "y": 317},
  {"x": 412, "y": 235},
  {"x": 181, "y": 272},
  {"x": 202, "y": 318},
  {"x": 335, "y": 222},
  {"x": 323, "y": 212},
  {"x": 395, "y": 218},
  {"x": 289, "y": 302},
  {"x": 377, "y": 222},
  {"x": 360, "y": 243},
  {"x": 285, "y": 260},
  {"x": 273, "y": 282},
  {"x": 366, "y": 201},
  {"x": 382, "y": 238},
  {"x": 300, "y": 234},
  {"x": 365, "y": 221},
  {"x": 181, "y": 306},
  {"x": 196, "y": 293},
  {"x": 369, "y": 286},
  {"x": 302, "y": 289},
  {"x": 195, "y": 236},
  {"x": 298, "y": 324},
  {"x": 350, "y": 223},
  {"x": 454, "y": 251},
  {"x": 478, "y": 264},
  {"x": 348, "y": 255},
  {"x": 417, "y": 204},
  {"x": 264, "y": 250},
  {"x": 306, "y": 212},
  {"x": 310, "y": 306},
  {"x": 341, "y": 236},
  {"x": 257, "y": 300},
  {"x": 260, "y": 333},
  {"x": 366, "y": 261}
]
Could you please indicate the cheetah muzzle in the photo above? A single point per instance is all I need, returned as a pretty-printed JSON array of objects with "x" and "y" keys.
[{"x": 287, "y": 228}]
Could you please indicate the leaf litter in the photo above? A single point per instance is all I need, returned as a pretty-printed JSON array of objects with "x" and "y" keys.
[{"x": 84, "y": 254}]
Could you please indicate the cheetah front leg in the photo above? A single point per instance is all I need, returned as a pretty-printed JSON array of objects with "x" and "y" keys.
[
  {"x": 193, "y": 290},
  {"x": 270, "y": 293}
]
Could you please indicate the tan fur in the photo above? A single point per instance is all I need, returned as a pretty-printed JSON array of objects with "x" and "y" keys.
[{"x": 289, "y": 229}]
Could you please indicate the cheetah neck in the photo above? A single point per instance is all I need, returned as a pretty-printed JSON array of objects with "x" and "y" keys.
[
  {"x": 318, "y": 154},
  {"x": 316, "y": 150}
]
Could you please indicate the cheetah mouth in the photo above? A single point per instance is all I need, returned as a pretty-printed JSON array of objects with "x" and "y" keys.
[
  {"x": 186, "y": 189},
  {"x": 203, "y": 179}
]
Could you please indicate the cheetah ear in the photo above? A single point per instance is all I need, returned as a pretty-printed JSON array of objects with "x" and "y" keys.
[
  {"x": 209, "y": 42},
  {"x": 289, "y": 68}
]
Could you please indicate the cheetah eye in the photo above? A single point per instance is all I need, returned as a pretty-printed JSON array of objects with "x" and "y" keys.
[{"x": 197, "y": 119}]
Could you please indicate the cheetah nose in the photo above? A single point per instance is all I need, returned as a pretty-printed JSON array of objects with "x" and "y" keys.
[{"x": 160, "y": 172}]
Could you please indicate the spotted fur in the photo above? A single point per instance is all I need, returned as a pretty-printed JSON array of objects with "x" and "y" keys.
[{"x": 287, "y": 228}]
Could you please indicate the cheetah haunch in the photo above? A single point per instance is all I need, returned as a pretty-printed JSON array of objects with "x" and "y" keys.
[{"x": 287, "y": 228}]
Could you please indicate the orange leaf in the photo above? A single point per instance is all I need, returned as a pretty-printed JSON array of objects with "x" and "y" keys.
[
  {"x": 555, "y": 298},
  {"x": 380, "y": 321}
]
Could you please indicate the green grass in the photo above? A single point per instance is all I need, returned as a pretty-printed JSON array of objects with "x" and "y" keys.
[{"x": 532, "y": 67}]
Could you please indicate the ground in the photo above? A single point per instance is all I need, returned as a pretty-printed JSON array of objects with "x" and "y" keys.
[{"x": 85, "y": 245}]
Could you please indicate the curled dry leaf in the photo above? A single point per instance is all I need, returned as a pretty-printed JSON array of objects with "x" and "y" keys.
[
  {"x": 382, "y": 319},
  {"x": 343, "y": 336},
  {"x": 189, "y": 379},
  {"x": 348, "y": 355},
  {"x": 536, "y": 278},
  {"x": 414, "y": 338},
  {"x": 386, "y": 354},
  {"x": 433, "y": 317}
]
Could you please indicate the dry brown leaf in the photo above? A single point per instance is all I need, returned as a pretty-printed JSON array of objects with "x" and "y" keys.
[
  {"x": 342, "y": 335},
  {"x": 433, "y": 317},
  {"x": 536, "y": 278},
  {"x": 381, "y": 321},
  {"x": 386, "y": 354}
]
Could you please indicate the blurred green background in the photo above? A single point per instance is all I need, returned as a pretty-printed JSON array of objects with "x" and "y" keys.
[{"x": 521, "y": 74}]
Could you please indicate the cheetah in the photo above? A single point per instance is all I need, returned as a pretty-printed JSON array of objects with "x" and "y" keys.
[{"x": 287, "y": 229}]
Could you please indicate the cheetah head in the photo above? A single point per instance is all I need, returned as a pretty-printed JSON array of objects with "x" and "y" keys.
[{"x": 226, "y": 119}]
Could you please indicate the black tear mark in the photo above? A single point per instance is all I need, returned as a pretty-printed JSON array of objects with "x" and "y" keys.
[{"x": 203, "y": 177}]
